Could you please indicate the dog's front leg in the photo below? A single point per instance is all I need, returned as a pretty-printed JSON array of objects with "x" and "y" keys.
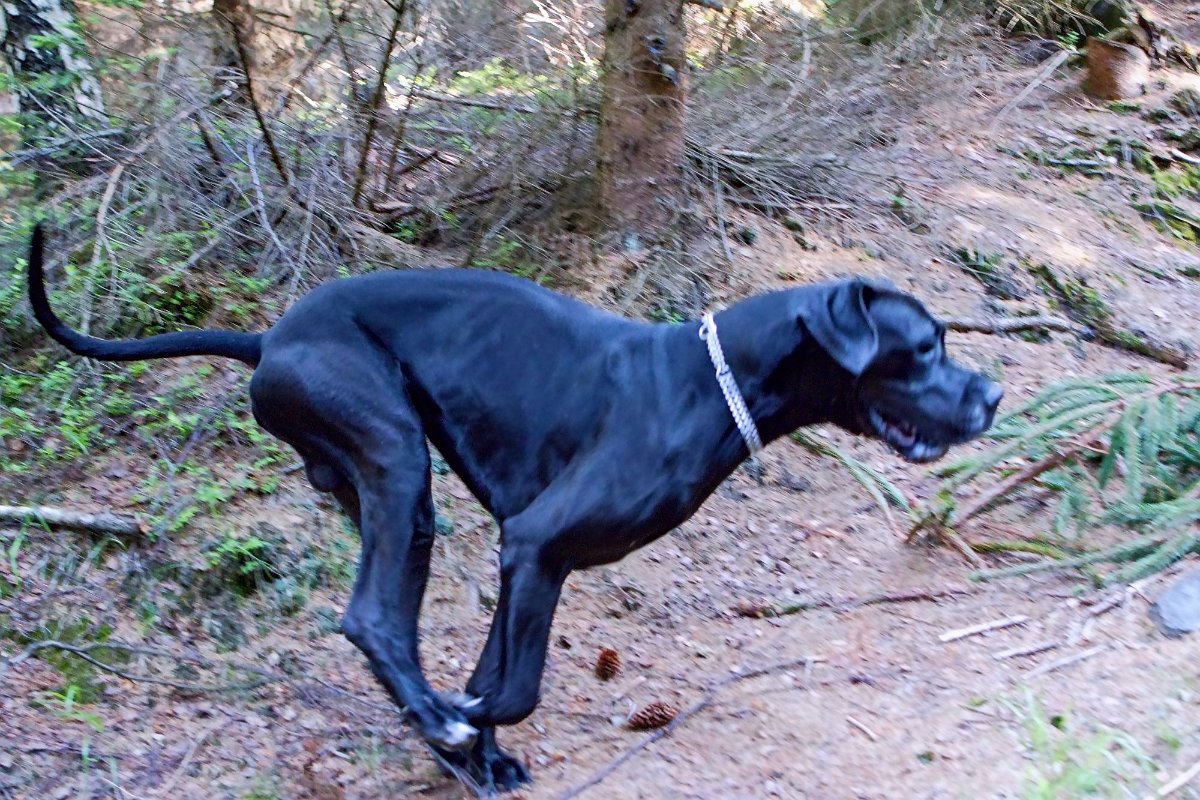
[{"x": 505, "y": 686}]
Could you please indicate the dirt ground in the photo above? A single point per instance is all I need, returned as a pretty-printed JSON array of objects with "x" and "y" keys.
[{"x": 854, "y": 701}]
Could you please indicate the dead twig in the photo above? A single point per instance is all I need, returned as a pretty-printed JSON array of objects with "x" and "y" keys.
[
  {"x": 1181, "y": 780},
  {"x": 1026, "y": 650},
  {"x": 682, "y": 717},
  {"x": 169, "y": 784},
  {"x": 243, "y": 55},
  {"x": 1064, "y": 662},
  {"x": 102, "y": 522},
  {"x": 377, "y": 95},
  {"x": 85, "y": 652},
  {"x": 1041, "y": 77},
  {"x": 909, "y": 596},
  {"x": 870, "y": 734},
  {"x": 1012, "y": 325},
  {"x": 983, "y": 627},
  {"x": 466, "y": 101}
]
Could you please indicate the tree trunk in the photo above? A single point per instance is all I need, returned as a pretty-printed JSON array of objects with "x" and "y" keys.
[
  {"x": 640, "y": 148},
  {"x": 55, "y": 84},
  {"x": 235, "y": 43}
]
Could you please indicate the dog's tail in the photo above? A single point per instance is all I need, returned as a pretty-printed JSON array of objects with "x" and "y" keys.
[{"x": 245, "y": 347}]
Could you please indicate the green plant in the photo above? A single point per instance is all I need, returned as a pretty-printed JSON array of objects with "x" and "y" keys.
[
  {"x": 1070, "y": 764},
  {"x": 1120, "y": 449},
  {"x": 246, "y": 564},
  {"x": 885, "y": 493},
  {"x": 64, "y": 705}
]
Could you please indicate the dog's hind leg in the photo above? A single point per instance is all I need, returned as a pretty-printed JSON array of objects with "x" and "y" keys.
[{"x": 357, "y": 430}]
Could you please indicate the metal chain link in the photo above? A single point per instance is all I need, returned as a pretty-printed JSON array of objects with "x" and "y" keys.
[{"x": 729, "y": 387}]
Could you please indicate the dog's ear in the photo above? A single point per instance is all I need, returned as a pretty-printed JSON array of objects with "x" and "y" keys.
[{"x": 836, "y": 316}]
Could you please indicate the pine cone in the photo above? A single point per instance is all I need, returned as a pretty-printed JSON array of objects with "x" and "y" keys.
[
  {"x": 752, "y": 609},
  {"x": 655, "y": 715},
  {"x": 608, "y": 664}
]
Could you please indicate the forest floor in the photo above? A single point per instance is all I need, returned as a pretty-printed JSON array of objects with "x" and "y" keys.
[{"x": 857, "y": 701}]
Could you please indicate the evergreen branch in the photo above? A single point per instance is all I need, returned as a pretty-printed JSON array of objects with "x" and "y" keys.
[
  {"x": 1073, "y": 439},
  {"x": 885, "y": 493}
]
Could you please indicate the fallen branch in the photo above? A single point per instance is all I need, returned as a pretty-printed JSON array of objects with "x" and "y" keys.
[
  {"x": 690, "y": 711},
  {"x": 1064, "y": 662},
  {"x": 102, "y": 522},
  {"x": 983, "y": 627},
  {"x": 1179, "y": 782},
  {"x": 1013, "y": 325},
  {"x": 910, "y": 596}
]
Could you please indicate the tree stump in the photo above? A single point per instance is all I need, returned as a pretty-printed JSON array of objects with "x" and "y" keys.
[{"x": 1115, "y": 70}]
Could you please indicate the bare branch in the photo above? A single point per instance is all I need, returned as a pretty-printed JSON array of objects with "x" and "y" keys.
[
  {"x": 1012, "y": 325},
  {"x": 102, "y": 522}
]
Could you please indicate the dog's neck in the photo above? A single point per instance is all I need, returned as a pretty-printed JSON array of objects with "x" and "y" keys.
[{"x": 776, "y": 365}]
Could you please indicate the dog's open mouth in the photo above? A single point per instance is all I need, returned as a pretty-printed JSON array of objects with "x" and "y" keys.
[{"x": 904, "y": 437}]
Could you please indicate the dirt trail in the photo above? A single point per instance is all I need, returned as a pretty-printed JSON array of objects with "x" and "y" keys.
[{"x": 885, "y": 709}]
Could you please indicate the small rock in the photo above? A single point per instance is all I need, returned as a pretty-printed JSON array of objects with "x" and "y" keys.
[
  {"x": 794, "y": 483},
  {"x": 1177, "y": 610},
  {"x": 1035, "y": 51}
]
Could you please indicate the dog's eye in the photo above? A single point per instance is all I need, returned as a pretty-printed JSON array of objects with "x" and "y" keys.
[{"x": 926, "y": 347}]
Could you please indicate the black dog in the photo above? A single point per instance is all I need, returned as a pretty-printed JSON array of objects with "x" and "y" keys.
[{"x": 586, "y": 435}]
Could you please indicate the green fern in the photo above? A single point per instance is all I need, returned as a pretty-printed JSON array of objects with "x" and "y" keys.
[
  {"x": 1120, "y": 449},
  {"x": 885, "y": 493}
]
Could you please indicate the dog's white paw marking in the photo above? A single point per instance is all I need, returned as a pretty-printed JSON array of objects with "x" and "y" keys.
[
  {"x": 458, "y": 734},
  {"x": 463, "y": 701}
]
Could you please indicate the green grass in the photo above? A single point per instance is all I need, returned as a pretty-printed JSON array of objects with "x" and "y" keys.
[{"x": 1074, "y": 759}]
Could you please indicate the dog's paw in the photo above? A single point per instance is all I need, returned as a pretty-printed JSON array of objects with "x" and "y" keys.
[
  {"x": 485, "y": 768},
  {"x": 445, "y": 727},
  {"x": 507, "y": 773}
]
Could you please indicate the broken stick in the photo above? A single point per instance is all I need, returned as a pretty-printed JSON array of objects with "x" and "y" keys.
[
  {"x": 983, "y": 627},
  {"x": 1012, "y": 325},
  {"x": 102, "y": 522}
]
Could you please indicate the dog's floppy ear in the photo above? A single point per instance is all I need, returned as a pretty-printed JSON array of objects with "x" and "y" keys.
[{"x": 836, "y": 316}]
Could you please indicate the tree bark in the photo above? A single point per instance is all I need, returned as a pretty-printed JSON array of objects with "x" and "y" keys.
[
  {"x": 55, "y": 83},
  {"x": 235, "y": 43},
  {"x": 640, "y": 150}
]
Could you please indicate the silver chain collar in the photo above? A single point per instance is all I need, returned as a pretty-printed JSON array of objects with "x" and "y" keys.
[{"x": 729, "y": 387}]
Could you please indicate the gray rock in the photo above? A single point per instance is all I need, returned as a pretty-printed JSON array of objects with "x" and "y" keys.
[{"x": 1177, "y": 610}]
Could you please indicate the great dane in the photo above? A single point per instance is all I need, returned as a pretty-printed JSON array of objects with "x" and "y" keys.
[{"x": 586, "y": 435}]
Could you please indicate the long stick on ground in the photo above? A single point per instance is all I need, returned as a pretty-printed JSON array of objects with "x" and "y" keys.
[
  {"x": 1012, "y": 325},
  {"x": 1178, "y": 783},
  {"x": 691, "y": 710},
  {"x": 102, "y": 522}
]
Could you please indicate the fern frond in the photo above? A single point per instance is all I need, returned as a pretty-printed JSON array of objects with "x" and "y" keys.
[
  {"x": 885, "y": 493},
  {"x": 1131, "y": 449},
  {"x": 1162, "y": 557},
  {"x": 1074, "y": 440}
]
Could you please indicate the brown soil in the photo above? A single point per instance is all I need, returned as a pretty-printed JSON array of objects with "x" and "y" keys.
[{"x": 881, "y": 708}]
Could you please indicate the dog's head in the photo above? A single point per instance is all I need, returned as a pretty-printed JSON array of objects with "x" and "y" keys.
[{"x": 906, "y": 391}]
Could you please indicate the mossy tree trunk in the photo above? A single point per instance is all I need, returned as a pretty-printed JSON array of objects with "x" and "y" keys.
[
  {"x": 52, "y": 78},
  {"x": 640, "y": 150}
]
